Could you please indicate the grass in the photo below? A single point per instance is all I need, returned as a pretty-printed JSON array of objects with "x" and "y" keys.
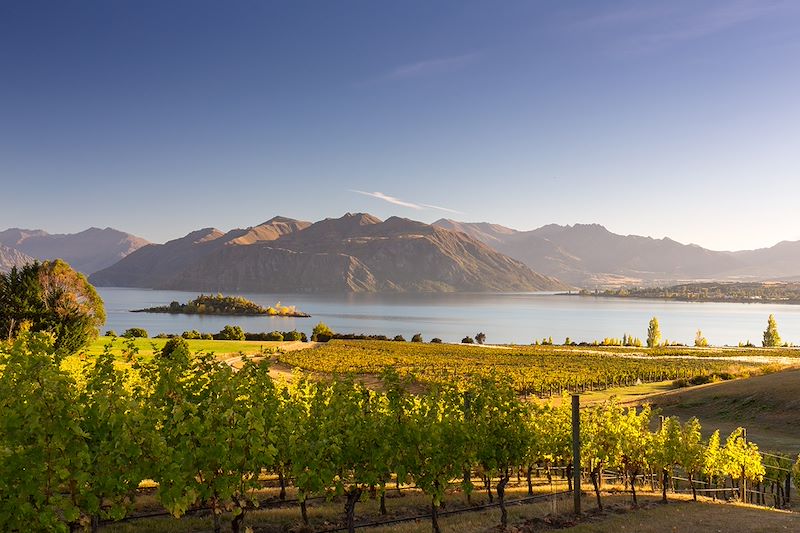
[{"x": 147, "y": 346}]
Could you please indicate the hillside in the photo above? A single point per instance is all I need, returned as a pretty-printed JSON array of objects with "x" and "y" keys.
[
  {"x": 354, "y": 253},
  {"x": 88, "y": 251},
  {"x": 10, "y": 258},
  {"x": 588, "y": 255}
]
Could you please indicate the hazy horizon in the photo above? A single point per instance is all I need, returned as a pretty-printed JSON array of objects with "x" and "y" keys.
[{"x": 674, "y": 120}]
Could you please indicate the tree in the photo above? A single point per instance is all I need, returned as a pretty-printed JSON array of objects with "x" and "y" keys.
[
  {"x": 54, "y": 298},
  {"x": 135, "y": 333},
  {"x": 771, "y": 336},
  {"x": 174, "y": 344},
  {"x": 417, "y": 337},
  {"x": 231, "y": 333},
  {"x": 699, "y": 340},
  {"x": 653, "y": 333},
  {"x": 436, "y": 340},
  {"x": 480, "y": 338},
  {"x": 322, "y": 333},
  {"x": 467, "y": 340}
]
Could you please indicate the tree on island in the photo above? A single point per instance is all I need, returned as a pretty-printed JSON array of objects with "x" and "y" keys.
[
  {"x": 771, "y": 337},
  {"x": 653, "y": 333},
  {"x": 50, "y": 297}
]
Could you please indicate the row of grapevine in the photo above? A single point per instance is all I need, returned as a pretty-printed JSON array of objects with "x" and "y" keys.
[
  {"x": 75, "y": 448},
  {"x": 536, "y": 370}
]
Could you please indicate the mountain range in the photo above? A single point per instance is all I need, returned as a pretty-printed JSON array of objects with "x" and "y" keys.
[
  {"x": 87, "y": 252},
  {"x": 354, "y": 253},
  {"x": 589, "y": 255},
  {"x": 359, "y": 252}
]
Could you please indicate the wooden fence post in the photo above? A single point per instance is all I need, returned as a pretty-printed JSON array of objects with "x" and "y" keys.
[{"x": 576, "y": 453}]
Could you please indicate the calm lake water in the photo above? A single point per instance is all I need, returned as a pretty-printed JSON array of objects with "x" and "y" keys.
[{"x": 504, "y": 318}]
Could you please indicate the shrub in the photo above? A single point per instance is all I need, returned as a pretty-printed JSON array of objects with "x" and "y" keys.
[
  {"x": 322, "y": 333},
  {"x": 467, "y": 340},
  {"x": 274, "y": 336},
  {"x": 230, "y": 333},
  {"x": 173, "y": 345},
  {"x": 111, "y": 333},
  {"x": 137, "y": 333},
  {"x": 207, "y": 337},
  {"x": 417, "y": 337},
  {"x": 399, "y": 338},
  {"x": 194, "y": 334},
  {"x": 293, "y": 335},
  {"x": 436, "y": 340}
]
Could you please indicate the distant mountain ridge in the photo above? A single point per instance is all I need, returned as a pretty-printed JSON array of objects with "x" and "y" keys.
[
  {"x": 87, "y": 251},
  {"x": 589, "y": 255},
  {"x": 10, "y": 258},
  {"x": 354, "y": 253}
]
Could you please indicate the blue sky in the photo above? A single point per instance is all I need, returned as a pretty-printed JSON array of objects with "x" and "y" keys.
[{"x": 676, "y": 118}]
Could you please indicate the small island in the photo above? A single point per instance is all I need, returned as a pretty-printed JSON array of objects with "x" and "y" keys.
[{"x": 224, "y": 305}]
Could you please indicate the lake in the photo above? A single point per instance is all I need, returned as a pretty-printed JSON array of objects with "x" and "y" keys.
[{"x": 504, "y": 318}]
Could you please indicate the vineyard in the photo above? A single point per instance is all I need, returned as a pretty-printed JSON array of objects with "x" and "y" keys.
[
  {"x": 539, "y": 370},
  {"x": 211, "y": 438}
]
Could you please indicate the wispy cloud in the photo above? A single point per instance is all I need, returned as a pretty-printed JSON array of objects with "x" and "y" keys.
[
  {"x": 659, "y": 26},
  {"x": 397, "y": 201},
  {"x": 428, "y": 67}
]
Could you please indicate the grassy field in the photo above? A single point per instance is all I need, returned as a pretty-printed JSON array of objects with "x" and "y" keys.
[
  {"x": 147, "y": 346},
  {"x": 768, "y": 405}
]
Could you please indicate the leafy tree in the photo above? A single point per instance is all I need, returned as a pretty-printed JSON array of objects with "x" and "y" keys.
[
  {"x": 653, "y": 333},
  {"x": 480, "y": 338},
  {"x": 321, "y": 332},
  {"x": 231, "y": 333},
  {"x": 417, "y": 337},
  {"x": 274, "y": 336},
  {"x": 50, "y": 297},
  {"x": 293, "y": 335},
  {"x": 138, "y": 333},
  {"x": 467, "y": 340},
  {"x": 700, "y": 340},
  {"x": 399, "y": 338},
  {"x": 174, "y": 344},
  {"x": 771, "y": 337}
]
